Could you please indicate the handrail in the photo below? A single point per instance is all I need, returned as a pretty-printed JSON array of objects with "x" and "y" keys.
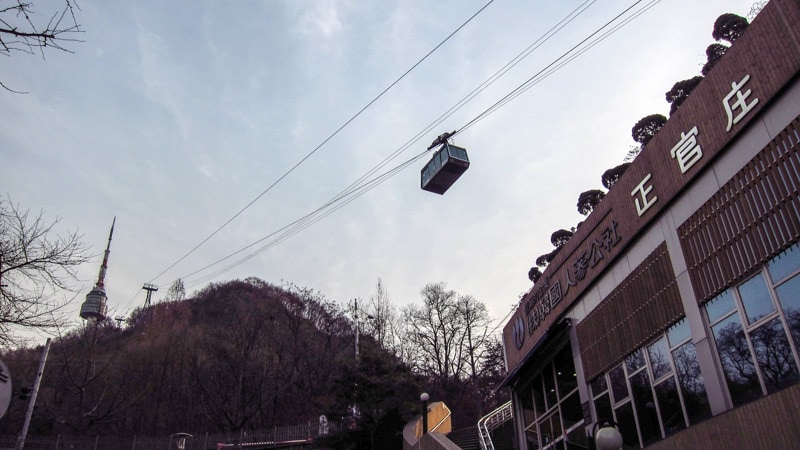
[
  {"x": 491, "y": 422},
  {"x": 447, "y": 416}
]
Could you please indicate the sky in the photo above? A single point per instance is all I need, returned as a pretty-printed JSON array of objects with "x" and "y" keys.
[{"x": 176, "y": 117}]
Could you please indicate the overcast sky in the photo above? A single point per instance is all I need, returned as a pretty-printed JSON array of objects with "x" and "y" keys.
[{"x": 173, "y": 116}]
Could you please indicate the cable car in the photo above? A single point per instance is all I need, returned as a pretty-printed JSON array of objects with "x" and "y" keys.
[{"x": 444, "y": 168}]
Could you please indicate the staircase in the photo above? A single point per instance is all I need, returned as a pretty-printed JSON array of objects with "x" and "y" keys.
[
  {"x": 491, "y": 422},
  {"x": 465, "y": 438}
]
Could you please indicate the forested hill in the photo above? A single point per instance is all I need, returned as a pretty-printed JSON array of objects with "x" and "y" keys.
[{"x": 238, "y": 355}]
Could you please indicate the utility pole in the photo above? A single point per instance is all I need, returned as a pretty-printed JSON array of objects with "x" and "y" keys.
[
  {"x": 356, "y": 321},
  {"x": 355, "y": 318},
  {"x": 32, "y": 402},
  {"x": 150, "y": 288}
]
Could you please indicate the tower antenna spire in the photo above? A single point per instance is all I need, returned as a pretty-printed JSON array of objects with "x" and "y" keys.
[
  {"x": 95, "y": 308},
  {"x": 101, "y": 278}
]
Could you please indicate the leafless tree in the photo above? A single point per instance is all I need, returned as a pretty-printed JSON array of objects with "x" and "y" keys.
[
  {"x": 36, "y": 267},
  {"x": 83, "y": 391},
  {"x": 449, "y": 331},
  {"x": 383, "y": 315},
  {"x": 176, "y": 291},
  {"x": 20, "y": 31}
]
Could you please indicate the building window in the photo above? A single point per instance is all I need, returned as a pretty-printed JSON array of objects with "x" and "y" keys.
[
  {"x": 756, "y": 328},
  {"x": 552, "y": 414},
  {"x": 657, "y": 391}
]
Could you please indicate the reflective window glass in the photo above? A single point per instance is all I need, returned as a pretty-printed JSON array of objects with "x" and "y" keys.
[
  {"x": 571, "y": 410},
  {"x": 645, "y": 408},
  {"x": 659, "y": 358},
  {"x": 599, "y": 385},
  {"x": 678, "y": 333},
  {"x": 789, "y": 296},
  {"x": 720, "y": 305},
  {"x": 691, "y": 383},
  {"x": 526, "y": 401},
  {"x": 566, "y": 378},
  {"x": 627, "y": 425},
  {"x": 755, "y": 298},
  {"x": 774, "y": 355},
  {"x": 538, "y": 395},
  {"x": 669, "y": 404},
  {"x": 577, "y": 440},
  {"x": 635, "y": 361},
  {"x": 532, "y": 438},
  {"x": 602, "y": 407},
  {"x": 618, "y": 386},
  {"x": 549, "y": 386},
  {"x": 551, "y": 429},
  {"x": 785, "y": 263},
  {"x": 737, "y": 363}
]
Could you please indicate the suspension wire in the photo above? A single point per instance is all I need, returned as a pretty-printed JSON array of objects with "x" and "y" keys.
[
  {"x": 539, "y": 75},
  {"x": 572, "y": 57},
  {"x": 360, "y": 187},
  {"x": 325, "y": 141},
  {"x": 304, "y": 222}
]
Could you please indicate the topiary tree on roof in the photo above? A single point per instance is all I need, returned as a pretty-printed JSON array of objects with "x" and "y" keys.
[
  {"x": 646, "y": 128},
  {"x": 714, "y": 53},
  {"x": 534, "y": 274},
  {"x": 588, "y": 200},
  {"x": 729, "y": 27},
  {"x": 612, "y": 175},
  {"x": 560, "y": 237},
  {"x": 680, "y": 92}
]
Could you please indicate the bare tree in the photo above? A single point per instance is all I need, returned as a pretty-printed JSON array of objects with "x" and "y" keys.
[
  {"x": 383, "y": 315},
  {"x": 20, "y": 31},
  {"x": 229, "y": 370},
  {"x": 449, "y": 331},
  {"x": 176, "y": 291},
  {"x": 84, "y": 392},
  {"x": 35, "y": 267}
]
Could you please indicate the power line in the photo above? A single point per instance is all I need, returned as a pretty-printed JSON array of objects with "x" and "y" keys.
[
  {"x": 359, "y": 187},
  {"x": 364, "y": 184},
  {"x": 558, "y": 63},
  {"x": 325, "y": 141}
]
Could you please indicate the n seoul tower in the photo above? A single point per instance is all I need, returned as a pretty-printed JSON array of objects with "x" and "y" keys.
[{"x": 95, "y": 308}]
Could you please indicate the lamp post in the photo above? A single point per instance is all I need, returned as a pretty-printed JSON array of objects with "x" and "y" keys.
[
  {"x": 605, "y": 436},
  {"x": 179, "y": 439},
  {"x": 424, "y": 399}
]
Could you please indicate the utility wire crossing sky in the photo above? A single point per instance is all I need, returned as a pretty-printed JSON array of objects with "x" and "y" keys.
[{"x": 171, "y": 118}]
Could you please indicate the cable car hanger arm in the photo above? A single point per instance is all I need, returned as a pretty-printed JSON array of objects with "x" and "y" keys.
[{"x": 442, "y": 139}]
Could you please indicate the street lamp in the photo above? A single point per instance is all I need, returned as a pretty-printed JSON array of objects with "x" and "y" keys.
[
  {"x": 180, "y": 439},
  {"x": 605, "y": 436},
  {"x": 424, "y": 399}
]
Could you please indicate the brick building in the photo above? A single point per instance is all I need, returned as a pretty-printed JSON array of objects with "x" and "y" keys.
[{"x": 674, "y": 310}]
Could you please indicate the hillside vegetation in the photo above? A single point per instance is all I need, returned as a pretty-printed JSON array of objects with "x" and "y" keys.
[{"x": 238, "y": 355}]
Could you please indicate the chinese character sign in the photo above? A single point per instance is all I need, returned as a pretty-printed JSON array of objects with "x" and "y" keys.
[{"x": 736, "y": 100}]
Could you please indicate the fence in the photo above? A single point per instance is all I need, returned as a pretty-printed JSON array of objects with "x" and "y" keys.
[{"x": 283, "y": 436}]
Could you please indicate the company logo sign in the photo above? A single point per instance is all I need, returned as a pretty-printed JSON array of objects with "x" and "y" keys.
[{"x": 519, "y": 332}]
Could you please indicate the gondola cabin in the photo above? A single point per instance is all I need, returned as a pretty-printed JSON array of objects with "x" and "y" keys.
[{"x": 447, "y": 164}]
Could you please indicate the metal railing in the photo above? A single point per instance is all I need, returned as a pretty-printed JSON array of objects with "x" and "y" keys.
[
  {"x": 491, "y": 422},
  {"x": 283, "y": 435}
]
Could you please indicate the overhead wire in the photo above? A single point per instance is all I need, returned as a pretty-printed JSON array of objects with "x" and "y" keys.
[
  {"x": 325, "y": 141},
  {"x": 568, "y": 56},
  {"x": 360, "y": 186},
  {"x": 360, "y": 189}
]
